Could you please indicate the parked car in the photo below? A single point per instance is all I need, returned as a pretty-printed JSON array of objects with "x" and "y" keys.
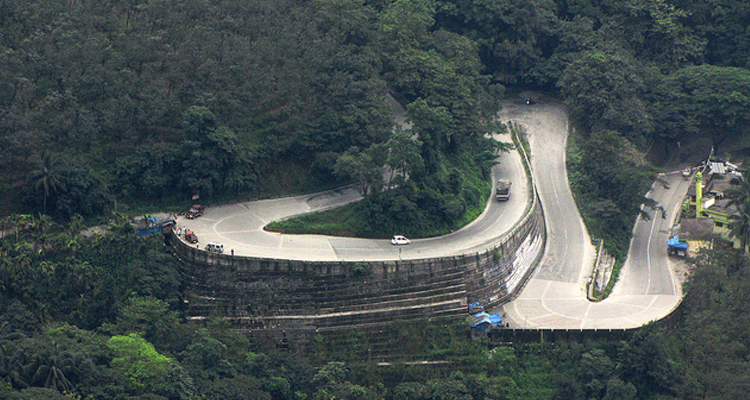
[
  {"x": 400, "y": 240},
  {"x": 195, "y": 211},
  {"x": 190, "y": 237},
  {"x": 215, "y": 248}
]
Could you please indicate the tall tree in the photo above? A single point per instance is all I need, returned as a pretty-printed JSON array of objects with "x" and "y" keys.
[
  {"x": 704, "y": 100},
  {"x": 404, "y": 157},
  {"x": 739, "y": 225},
  {"x": 515, "y": 38},
  {"x": 139, "y": 361},
  {"x": 656, "y": 30},
  {"x": 48, "y": 176},
  {"x": 364, "y": 166},
  {"x": 602, "y": 90},
  {"x": 722, "y": 24}
]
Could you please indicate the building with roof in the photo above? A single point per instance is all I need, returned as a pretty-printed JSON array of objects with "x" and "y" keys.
[
  {"x": 697, "y": 233},
  {"x": 711, "y": 201}
]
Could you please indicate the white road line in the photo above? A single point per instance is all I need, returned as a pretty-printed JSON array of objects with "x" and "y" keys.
[
  {"x": 254, "y": 214},
  {"x": 216, "y": 232},
  {"x": 545, "y": 316},
  {"x": 585, "y": 315},
  {"x": 648, "y": 254},
  {"x": 554, "y": 192},
  {"x": 669, "y": 262},
  {"x": 544, "y": 297},
  {"x": 328, "y": 242}
]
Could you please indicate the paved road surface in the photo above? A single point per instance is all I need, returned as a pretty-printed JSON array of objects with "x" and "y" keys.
[
  {"x": 644, "y": 272},
  {"x": 240, "y": 226},
  {"x": 555, "y": 297}
]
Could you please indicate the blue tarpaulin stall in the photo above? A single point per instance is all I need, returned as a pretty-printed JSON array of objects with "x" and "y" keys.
[
  {"x": 152, "y": 225},
  {"x": 677, "y": 247},
  {"x": 676, "y": 243},
  {"x": 483, "y": 321}
]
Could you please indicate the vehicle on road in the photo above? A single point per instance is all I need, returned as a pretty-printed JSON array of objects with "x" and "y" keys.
[
  {"x": 502, "y": 192},
  {"x": 215, "y": 248},
  {"x": 530, "y": 101},
  {"x": 195, "y": 211},
  {"x": 190, "y": 237},
  {"x": 400, "y": 240}
]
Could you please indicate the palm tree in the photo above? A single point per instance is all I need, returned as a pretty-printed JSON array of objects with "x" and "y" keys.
[
  {"x": 48, "y": 176},
  {"x": 741, "y": 193},
  {"x": 739, "y": 225}
]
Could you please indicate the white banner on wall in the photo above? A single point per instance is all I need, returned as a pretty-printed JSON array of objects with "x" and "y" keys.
[{"x": 524, "y": 257}]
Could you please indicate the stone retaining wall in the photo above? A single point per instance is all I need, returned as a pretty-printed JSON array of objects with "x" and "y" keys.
[
  {"x": 271, "y": 294},
  {"x": 278, "y": 301}
]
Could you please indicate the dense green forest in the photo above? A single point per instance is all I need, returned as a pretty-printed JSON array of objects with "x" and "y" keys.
[
  {"x": 133, "y": 106},
  {"x": 109, "y": 108},
  {"x": 111, "y": 105},
  {"x": 99, "y": 316}
]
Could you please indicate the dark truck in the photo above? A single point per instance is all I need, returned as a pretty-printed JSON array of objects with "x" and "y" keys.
[
  {"x": 502, "y": 192},
  {"x": 195, "y": 211}
]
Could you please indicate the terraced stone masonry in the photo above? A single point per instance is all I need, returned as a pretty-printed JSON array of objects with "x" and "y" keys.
[{"x": 274, "y": 298}]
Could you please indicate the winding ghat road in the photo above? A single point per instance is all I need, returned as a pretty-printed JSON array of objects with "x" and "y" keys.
[
  {"x": 554, "y": 298},
  {"x": 240, "y": 226}
]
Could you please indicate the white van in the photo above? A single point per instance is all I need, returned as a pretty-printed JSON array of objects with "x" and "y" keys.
[{"x": 215, "y": 248}]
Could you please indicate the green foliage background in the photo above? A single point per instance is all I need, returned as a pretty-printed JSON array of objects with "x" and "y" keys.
[
  {"x": 143, "y": 104},
  {"x": 131, "y": 339},
  {"x": 109, "y": 106},
  {"x": 140, "y": 346}
]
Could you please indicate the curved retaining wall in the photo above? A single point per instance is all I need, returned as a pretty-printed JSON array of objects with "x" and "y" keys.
[
  {"x": 269, "y": 295},
  {"x": 287, "y": 295}
]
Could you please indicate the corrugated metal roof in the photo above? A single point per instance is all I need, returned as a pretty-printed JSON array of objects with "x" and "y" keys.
[{"x": 717, "y": 168}]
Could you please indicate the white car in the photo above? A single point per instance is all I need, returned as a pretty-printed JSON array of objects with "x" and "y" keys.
[
  {"x": 215, "y": 248},
  {"x": 399, "y": 240}
]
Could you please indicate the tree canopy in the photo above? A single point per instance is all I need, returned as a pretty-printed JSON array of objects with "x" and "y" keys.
[{"x": 108, "y": 107}]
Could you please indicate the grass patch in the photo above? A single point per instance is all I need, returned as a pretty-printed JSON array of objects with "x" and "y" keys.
[
  {"x": 455, "y": 195},
  {"x": 474, "y": 210},
  {"x": 350, "y": 220},
  {"x": 339, "y": 222}
]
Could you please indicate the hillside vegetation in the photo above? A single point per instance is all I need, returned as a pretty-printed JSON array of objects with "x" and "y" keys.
[
  {"x": 112, "y": 107},
  {"x": 101, "y": 317},
  {"x": 133, "y": 106}
]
